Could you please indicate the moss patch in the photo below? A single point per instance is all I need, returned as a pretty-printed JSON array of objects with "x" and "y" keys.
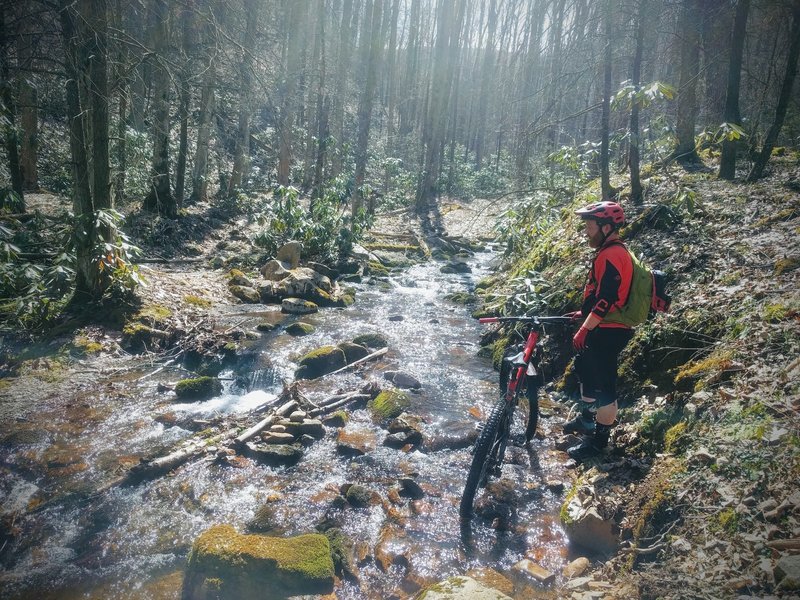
[
  {"x": 389, "y": 404},
  {"x": 320, "y": 362},
  {"x": 197, "y": 301},
  {"x": 198, "y": 388},
  {"x": 256, "y": 566}
]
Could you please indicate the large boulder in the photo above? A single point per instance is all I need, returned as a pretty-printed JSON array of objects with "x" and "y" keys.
[
  {"x": 246, "y": 294},
  {"x": 290, "y": 253},
  {"x": 274, "y": 270},
  {"x": 372, "y": 340},
  {"x": 226, "y": 564},
  {"x": 320, "y": 362},
  {"x": 298, "y": 306},
  {"x": 587, "y": 528}
]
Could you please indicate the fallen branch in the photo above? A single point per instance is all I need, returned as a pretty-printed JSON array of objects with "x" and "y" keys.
[
  {"x": 375, "y": 354},
  {"x": 246, "y": 435},
  {"x": 791, "y": 544},
  {"x": 338, "y": 404}
]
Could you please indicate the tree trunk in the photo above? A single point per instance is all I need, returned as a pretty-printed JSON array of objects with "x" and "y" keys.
[
  {"x": 296, "y": 9},
  {"x": 636, "y": 76},
  {"x": 98, "y": 103},
  {"x": 29, "y": 114},
  {"x": 375, "y": 43},
  {"x": 123, "y": 88},
  {"x": 727, "y": 162},
  {"x": 241, "y": 157},
  {"x": 160, "y": 198},
  {"x": 343, "y": 71},
  {"x": 391, "y": 68},
  {"x": 200, "y": 171},
  {"x": 685, "y": 151},
  {"x": 188, "y": 42},
  {"x": 783, "y": 100},
  {"x": 8, "y": 112},
  {"x": 605, "y": 176},
  {"x": 486, "y": 78}
]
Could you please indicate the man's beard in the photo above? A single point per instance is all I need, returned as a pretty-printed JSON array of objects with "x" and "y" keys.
[{"x": 596, "y": 240}]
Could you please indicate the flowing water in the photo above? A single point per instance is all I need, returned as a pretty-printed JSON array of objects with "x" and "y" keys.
[{"x": 132, "y": 541}]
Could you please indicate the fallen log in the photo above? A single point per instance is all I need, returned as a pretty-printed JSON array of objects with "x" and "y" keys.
[
  {"x": 791, "y": 544},
  {"x": 375, "y": 354},
  {"x": 338, "y": 404}
]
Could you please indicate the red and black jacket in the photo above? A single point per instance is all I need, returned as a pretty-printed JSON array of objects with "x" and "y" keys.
[{"x": 608, "y": 282}]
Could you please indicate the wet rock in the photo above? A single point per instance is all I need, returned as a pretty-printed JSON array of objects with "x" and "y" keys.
[
  {"x": 787, "y": 573},
  {"x": 392, "y": 549},
  {"x": 198, "y": 388},
  {"x": 353, "y": 352},
  {"x": 298, "y": 306},
  {"x": 401, "y": 439},
  {"x": 277, "y": 437},
  {"x": 411, "y": 488},
  {"x": 576, "y": 568},
  {"x": 342, "y": 552},
  {"x": 491, "y": 578},
  {"x": 387, "y": 405},
  {"x": 532, "y": 569},
  {"x": 300, "y": 328},
  {"x": 246, "y": 294},
  {"x": 312, "y": 427},
  {"x": 266, "y": 326},
  {"x": 290, "y": 253},
  {"x": 297, "y": 416},
  {"x": 337, "y": 419},
  {"x": 452, "y": 436},
  {"x": 403, "y": 380},
  {"x": 564, "y": 442},
  {"x": 371, "y": 340},
  {"x": 360, "y": 496},
  {"x": 461, "y": 588},
  {"x": 274, "y": 270},
  {"x": 355, "y": 443},
  {"x": 586, "y": 528},
  {"x": 274, "y": 455},
  {"x": 320, "y": 361},
  {"x": 323, "y": 270},
  {"x": 396, "y": 318},
  {"x": 224, "y": 563}
]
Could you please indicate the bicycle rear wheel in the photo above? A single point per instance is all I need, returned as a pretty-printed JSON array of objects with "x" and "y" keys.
[{"x": 487, "y": 454}]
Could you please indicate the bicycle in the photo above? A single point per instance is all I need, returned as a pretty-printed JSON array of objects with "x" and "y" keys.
[{"x": 519, "y": 373}]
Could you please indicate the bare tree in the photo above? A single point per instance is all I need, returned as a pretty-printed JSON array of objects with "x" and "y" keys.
[{"x": 727, "y": 162}]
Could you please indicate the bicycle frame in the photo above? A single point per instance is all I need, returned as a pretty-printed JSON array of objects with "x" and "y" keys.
[{"x": 489, "y": 449}]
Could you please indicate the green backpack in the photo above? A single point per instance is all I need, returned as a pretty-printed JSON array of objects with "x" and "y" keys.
[{"x": 646, "y": 297}]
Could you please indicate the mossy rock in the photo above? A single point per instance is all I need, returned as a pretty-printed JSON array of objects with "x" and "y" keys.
[
  {"x": 198, "y": 388},
  {"x": 236, "y": 277},
  {"x": 462, "y": 298},
  {"x": 460, "y": 588},
  {"x": 353, "y": 352},
  {"x": 344, "y": 300},
  {"x": 360, "y": 496},
  {"x": 388, "y": 405},
  {"x": 266, "y": 326},
  {"x": 337, "y": 419},
  {"x": 372, "y": 340},
  {"x": 320, "y": 362},
  {"x": 340, "y": 550},
  {"x": 377, "y": 269},
  {"x": 136, "y": 336},
  {"x": 227, "y": 564},
  {"x": 246, "y": 294},
  {"x": 300, "y": 328}
]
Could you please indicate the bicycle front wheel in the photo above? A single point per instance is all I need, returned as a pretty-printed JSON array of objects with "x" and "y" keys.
[{"x": 487, "y": 454}]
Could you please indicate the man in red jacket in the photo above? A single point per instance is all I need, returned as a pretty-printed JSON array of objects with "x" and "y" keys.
[{"x": 601, "y": 336}]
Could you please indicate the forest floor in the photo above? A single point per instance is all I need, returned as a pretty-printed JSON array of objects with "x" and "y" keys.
[{"x": 702, "y": 487}]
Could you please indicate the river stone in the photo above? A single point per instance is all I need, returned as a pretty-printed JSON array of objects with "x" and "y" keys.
[
  {"x": 355, "y": 443},
  {"x": 290, "y": 253},
  {"x": 298, "y": 416},
  {"x": 274, "y": 270},
  {"x": 324, "y": 270},
  {"x": 277, "y": 437},
  {"x": 227, "y": 564},
  {"x": 271, "y": 454},
  {"x": 236, "y": 277},
  {"x": 353, "y": 352},
  {"x": 198, "y": 388},
  {"x": 246, "y": 294},
  {"x": 461, "y": 588},
  {"x": 387, "y": 405},
  {"x": 456, "y": 266},
  {"x": 312, "y": 427},
  {"x": 586, "y": 528},
  {"x": 300, "y": 328},
  {"x": 372, "y": 340},
  {"x": 787, "y": 573},
  {"x": 360, "y": 496},
  {"x": 411, "y": 488},
  {"x": 337, "y": 419},
  {"x": 403, "y": 380},
  {"x": 576, "y": 568},
  {"x": 454, "y": 436},
  {"x": 539, "y": 573},
  {"x": 298, "y": 306},
  {"x": 320, "y": 362},
  {"x": 493, "y": 579}
]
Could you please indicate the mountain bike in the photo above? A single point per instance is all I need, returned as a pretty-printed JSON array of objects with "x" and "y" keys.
[{"x": 520, "y": 373}]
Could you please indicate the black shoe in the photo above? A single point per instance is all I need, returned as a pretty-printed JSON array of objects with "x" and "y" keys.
[
  {"x": 586, "y": 449},
  {"x": 579, "y": 425}
]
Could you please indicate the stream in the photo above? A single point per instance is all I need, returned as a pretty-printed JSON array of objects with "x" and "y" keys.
[{"x": 133, "y": 541}]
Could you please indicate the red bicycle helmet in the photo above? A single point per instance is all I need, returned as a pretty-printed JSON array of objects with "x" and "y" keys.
[{"x": 603, "y": 212}]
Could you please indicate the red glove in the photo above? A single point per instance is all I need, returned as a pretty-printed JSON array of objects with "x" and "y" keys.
[
  {"x": 579, "y": 340},
  {"x": 574, "y": 315}
]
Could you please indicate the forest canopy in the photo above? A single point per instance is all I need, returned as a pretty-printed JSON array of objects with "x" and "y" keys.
[{"x": 365, "y": 105}]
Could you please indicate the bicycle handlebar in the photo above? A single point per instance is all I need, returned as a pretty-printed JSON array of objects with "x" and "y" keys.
[{"x": 534, "y": 320}]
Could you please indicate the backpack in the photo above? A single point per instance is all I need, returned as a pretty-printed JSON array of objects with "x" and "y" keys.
[{"x": 646, "y": 297}]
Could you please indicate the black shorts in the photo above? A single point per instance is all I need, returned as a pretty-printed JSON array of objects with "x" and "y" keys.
[{"x": 597, "y": 365}]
